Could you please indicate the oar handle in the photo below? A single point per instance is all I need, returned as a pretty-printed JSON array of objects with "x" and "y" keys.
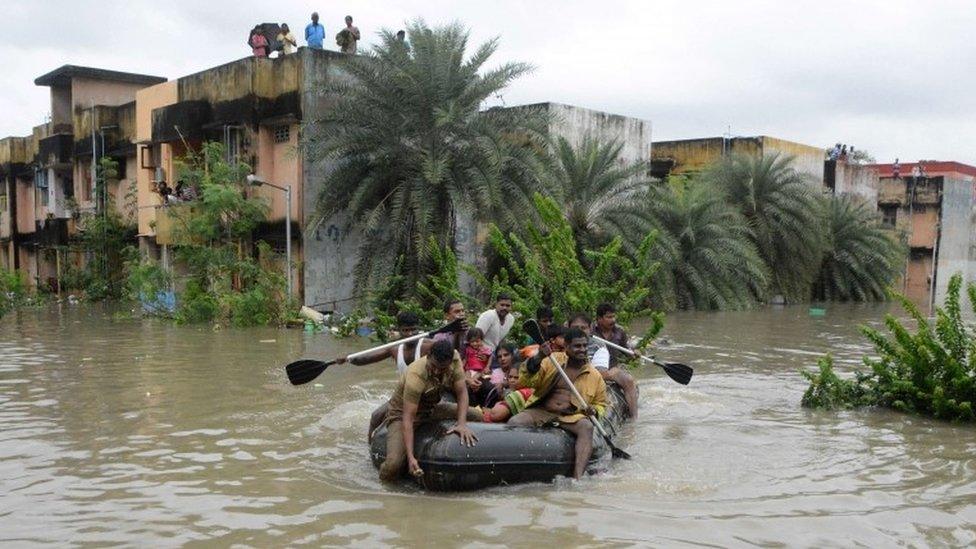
[
  {"x": 623, "y": 349},
  {"x": 388, "y": 345}
]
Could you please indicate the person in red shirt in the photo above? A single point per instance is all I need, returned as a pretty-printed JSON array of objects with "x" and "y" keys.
[{"x": 258, "y": 43}]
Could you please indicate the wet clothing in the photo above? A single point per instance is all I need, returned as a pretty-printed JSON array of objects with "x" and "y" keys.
[
  {"x": 495, "y": 330},
  {"x": 617, "y": 336},
  {"x": 517, "y": 400},
  {"x": 420, "y": 386},
  {"x": 314, "y": 35},
  {"x": 395, "y": 464},
  {"x": 546, "y": 377}
]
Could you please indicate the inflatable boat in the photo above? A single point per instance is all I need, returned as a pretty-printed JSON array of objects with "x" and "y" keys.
[{"x": 504, "y": 454}]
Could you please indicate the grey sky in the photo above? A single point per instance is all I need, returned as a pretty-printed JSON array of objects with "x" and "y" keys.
[{"x": 893, "y": 77}]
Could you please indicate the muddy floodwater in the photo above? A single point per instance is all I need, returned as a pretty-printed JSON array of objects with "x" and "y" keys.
[{"x": 138, "y": 432}]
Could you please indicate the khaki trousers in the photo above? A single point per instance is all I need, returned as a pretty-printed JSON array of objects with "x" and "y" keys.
[{"x": 395, "y": 464}]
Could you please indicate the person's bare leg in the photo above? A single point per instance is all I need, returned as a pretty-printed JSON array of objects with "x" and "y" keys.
[
  {"x": 626, "y": 381},
  {"x": 583, "y": 430},
  {"x": 376, "y": 419}
]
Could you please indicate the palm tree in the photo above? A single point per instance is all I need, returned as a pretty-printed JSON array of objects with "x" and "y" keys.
[
  {"x": 704, "y": 247},
  {"x": 410, "y": 151},
  {"x": 861, "y": 258},
  {"x": 601, "y": 196},
  {"x": 783, "y": 209}
]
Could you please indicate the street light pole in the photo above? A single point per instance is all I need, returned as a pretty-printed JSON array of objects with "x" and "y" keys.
[
  {"x": 288, "y": 235},
  {"x": 256, "y": 181}
]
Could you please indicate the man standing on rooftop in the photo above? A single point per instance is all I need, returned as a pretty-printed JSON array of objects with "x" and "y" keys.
[
  {"x": 314, "y": 33},
  {"x": 348, "y": 38}
]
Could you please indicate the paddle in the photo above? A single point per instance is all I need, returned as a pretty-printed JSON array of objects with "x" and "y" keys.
[
  {"x": 305, "y": 370},
  {"x": 532, "y": 328},
  {"x": 679, "y": 372}
]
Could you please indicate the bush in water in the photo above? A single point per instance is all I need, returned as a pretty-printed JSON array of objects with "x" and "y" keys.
[
  {"x": 931, "y": 372},
  {"x": 13, "y": 290}
]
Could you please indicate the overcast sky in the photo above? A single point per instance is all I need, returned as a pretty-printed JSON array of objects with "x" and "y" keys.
[{"x": 897, "y": 78}]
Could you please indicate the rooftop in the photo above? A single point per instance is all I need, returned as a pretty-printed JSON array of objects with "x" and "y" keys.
[
  {"x": 62, "y": 76},
  {"x": 932, "y": 167}
]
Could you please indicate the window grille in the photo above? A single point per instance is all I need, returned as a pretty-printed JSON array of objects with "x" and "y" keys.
[{"x": 282, "y": 134}]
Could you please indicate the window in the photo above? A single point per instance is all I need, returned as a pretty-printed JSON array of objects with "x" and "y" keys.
[
  {"x": 889, "y": 215},
  {"x": 282, "y": 133}
]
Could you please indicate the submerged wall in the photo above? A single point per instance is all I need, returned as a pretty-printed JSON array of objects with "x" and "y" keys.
[{"x": 957, "y": 243}]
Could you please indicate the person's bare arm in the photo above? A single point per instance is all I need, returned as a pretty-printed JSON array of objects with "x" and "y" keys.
[
  {"x": 409, "y": 416},
  {"x": 371, "y": 358},
  {"x": 461, "y": 428}
]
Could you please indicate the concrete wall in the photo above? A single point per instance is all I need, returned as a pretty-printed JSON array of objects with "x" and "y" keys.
[
  {"x": 85, "y": 92},
  {"x": 148, "y": 200},
  {"x": 575, "y": 123},
  {"x": 806, "y": 158},
  {"x": 330, "y": 249},
  {"x": 856, "y": 180},
  {"x": 957, "y": 242}
]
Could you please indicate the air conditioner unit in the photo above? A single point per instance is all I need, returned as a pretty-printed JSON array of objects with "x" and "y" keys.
[{"x": 160, "y": 175}]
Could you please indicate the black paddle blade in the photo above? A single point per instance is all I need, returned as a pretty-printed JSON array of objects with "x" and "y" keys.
[
  {"x": 532, "y": 329},
  {"x": 305, "y": 370},
  {"x": 679, "y": 372},
  {"x": 617, "y": 452},
  {"x": 457, "y": 325}
]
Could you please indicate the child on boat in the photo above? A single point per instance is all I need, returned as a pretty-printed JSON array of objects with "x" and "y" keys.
[
  {"x": 477, "y": 359},
  {"x": 514, "y": 401}
]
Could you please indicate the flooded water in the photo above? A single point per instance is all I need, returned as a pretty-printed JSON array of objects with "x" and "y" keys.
[{"x": 143, "y": 433}]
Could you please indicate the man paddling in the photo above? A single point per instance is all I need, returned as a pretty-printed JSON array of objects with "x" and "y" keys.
[
  {"x": 606, "y": 327},
  {"x": 407, "y": 325},
  {"x": 417, "y": 399},
  {"x": 548, "y": 403}
]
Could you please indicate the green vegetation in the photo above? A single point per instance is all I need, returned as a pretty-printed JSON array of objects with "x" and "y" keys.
[
  {"x": 224, "y": 277},
  {"x": 414, "y": 153},
  {"x": 708, "y": 258},
  {"x": 782, "y": 209},
  {"x": 860, "y": 258},
  {"x": 105, "y": 240},
  {"x": 13, "y": 291},
  {"x": 601, "y": 197},
  {"x": 931, "y": 372}
]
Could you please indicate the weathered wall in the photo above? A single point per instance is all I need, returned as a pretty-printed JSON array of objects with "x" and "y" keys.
[
  {"x": 693, "y": 155},
  {"x": 924, "y": 226},
  {"x": 856, "y": 180},
  {"x": 85, "y": 92},
  {"x": 806, "y": 159},
  {"x": 148, "y": 200},
  {"x": 575, "y": 123},
  {"x": 957, "y": 243},
  {"x": 330, "y": 249}
]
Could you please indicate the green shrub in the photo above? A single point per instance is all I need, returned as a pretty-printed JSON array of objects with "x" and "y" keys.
[
  {"x": 931, "y": 372},
  {"x": 13, "y": 290}
]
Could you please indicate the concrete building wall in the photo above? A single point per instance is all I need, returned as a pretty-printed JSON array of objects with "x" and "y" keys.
[
  {"x": 85, "y": 92},
  {"x": 807, "y": 159},
  {"x": 924, "y": 227},
  {"x": 330, "y": 246},
  {"x": 957, "y": 241},
  {"x": 856, "y": 180},
  {"x": 148, "y": 200},
  {"x": 575, "y": 123}
]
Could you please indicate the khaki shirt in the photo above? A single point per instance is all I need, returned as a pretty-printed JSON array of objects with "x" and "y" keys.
[
  {"x": 589, "y": 383},
  {"x": 419, "y": 386}
]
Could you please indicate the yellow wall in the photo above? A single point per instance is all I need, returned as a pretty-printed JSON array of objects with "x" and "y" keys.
[{"x": 148, "y": 99}]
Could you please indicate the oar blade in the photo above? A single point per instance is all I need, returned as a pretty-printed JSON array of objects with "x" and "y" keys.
[
  {"x": 679, "y": 372},
  {"x": 618, "y": 453},
  {"x": 532, "y": 329},
  {"x": 305, "y": 370}
]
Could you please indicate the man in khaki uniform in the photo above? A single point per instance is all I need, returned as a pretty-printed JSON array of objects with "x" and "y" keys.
[{"x": 417, "y": 399}]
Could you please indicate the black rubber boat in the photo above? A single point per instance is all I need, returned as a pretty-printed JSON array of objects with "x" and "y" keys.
[{"x": 504, "y": 454}]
